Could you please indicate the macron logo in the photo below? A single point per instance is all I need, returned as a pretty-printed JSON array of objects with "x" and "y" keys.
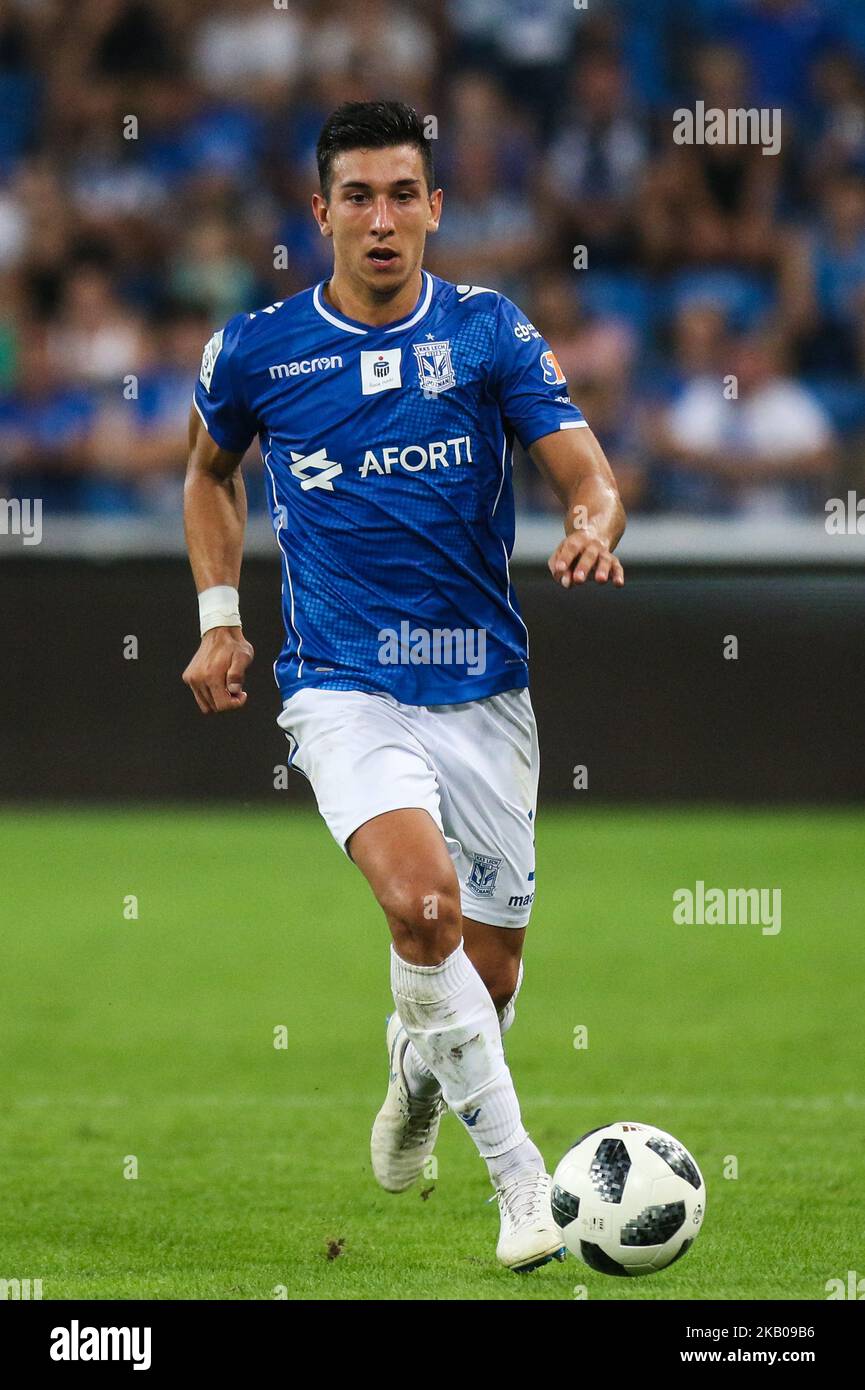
[
  {"x": 325, "y": 470},
  {"x": 311, "y": 364}
]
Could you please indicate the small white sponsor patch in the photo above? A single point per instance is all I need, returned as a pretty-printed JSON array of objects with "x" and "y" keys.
[
  {"x": 380, "y": 371},
  {"x": 208, "y": 359}
]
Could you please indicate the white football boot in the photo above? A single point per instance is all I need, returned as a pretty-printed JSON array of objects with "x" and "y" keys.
[
  {"x": 529, "y": 1236},
  {"x": 406, "y": 1127}
]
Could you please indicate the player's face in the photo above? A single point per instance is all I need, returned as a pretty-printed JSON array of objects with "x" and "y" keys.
[{"x": 379, "y": 214}]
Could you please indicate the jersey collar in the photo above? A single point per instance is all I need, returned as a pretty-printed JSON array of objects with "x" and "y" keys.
[{"x": 353, "y": 326}]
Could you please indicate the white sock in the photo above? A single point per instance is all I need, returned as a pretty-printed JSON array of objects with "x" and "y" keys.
[
  {"x": 450, "y": 1018},
  {"x": 420, "y": 1080},
  {"x": 508, "y": 1013},
  {"x": 524, "y": 1157}
]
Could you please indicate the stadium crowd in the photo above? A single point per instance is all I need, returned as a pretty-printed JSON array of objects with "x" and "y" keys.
[{"x": 156, "y": 162}]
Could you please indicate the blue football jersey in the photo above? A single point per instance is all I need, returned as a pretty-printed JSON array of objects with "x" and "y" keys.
[{"x": 387, "y": 454}]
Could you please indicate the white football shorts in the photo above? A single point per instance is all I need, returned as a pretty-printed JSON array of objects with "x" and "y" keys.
[{"x": 472, "y": 766}]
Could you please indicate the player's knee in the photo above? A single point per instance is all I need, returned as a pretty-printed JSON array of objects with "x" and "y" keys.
[{"x": 422, "y": 914}]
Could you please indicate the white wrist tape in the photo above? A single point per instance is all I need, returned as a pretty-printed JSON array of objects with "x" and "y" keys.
[{"x": 218, "y": 607}]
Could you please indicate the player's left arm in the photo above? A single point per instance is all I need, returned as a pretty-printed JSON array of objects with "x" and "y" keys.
[{"x": 576, "y": 468}]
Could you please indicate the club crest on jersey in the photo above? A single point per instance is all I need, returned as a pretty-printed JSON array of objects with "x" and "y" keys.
[
  {"x": 483, "y": 874},
  {"x": 208, "y": 359},
  {"x": 435, "y": 367}
]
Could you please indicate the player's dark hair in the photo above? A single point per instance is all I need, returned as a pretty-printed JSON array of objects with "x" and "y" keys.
[{"x": 370, "y": 125}]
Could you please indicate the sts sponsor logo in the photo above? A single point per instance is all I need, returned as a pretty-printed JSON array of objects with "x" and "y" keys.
[{"x": 553, "y": 374}]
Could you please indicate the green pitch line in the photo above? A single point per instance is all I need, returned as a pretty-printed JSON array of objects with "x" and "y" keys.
[{"x": 150, "y": 1039}]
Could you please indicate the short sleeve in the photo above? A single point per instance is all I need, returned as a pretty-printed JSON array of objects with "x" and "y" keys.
[
  {"x": 527, "y": 380},
  {"x": 218, "y": 398}
]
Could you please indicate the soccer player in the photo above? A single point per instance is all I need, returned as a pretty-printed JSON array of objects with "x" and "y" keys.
[{"x": 385, "y": 402}]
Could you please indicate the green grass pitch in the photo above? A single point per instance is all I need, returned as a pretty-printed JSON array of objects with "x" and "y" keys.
[{"x": 153, "y": 1038}]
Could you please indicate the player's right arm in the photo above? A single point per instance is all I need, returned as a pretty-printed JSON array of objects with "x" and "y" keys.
[{"x": 214, "y": 518}]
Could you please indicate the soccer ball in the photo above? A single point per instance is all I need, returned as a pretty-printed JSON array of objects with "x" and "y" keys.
[{"x": 629, "y": 1198}]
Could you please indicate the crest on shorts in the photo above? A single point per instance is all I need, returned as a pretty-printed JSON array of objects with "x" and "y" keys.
[
  {"x": 483, "y": 874},
  {"x": 435, "y": 367}
]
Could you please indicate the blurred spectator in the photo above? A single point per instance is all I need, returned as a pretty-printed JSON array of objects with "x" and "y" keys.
[
  {"x": 44, "y": 429},
  {"x": 839, "y": 116},
  {"x": 712, "y": 204},
  {"x": 700, "y": 339},
  {"x": 244, "y": 48},
  {"x": 589, "y": 349},
  {"x": 137, "y": 442},
  {"x": 210, "y": 268},
  {"x": 135, "y": 39},
  {"x": 528, "y": 43},
  {"x": 95, "y": 338},
  {"x": 608, "y": 405},
  {"x": 391, "y": 45},
  {"x": 308, "y": 254},
  {"x": 757, "y": 440},
  {"x": 595, "y": 355},
  {"x": 595, "y": 163},
  {"x": 479, "y": 111},
  {"x": 485, "y": 234},
  {"x": 823, "y": 282},
  {"x": 781, "y": 38},
  {"x": 20, "y": 85}
]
